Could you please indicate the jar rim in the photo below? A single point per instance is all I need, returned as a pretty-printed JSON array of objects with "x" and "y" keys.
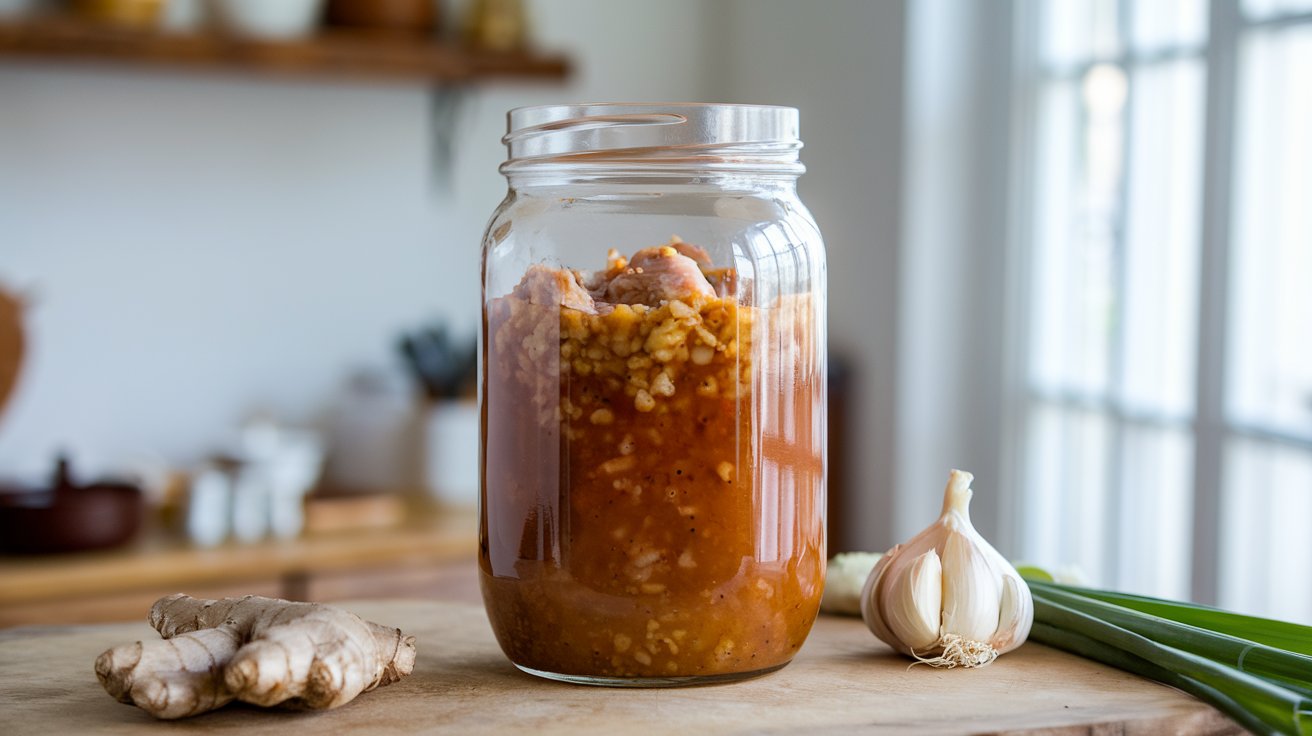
[{"x": 692, "y": 135}]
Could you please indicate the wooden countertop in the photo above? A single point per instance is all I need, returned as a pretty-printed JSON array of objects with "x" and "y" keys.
[{"x": 843, "y": 680}]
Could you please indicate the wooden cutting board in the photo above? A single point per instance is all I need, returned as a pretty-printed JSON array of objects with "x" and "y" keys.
[{"x": 843, "y": 681}]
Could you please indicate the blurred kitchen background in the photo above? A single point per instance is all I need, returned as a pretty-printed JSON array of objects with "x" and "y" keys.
[{"x": 1070, "y": 243}]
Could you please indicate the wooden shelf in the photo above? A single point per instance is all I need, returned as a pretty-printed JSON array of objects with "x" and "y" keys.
[
  {"x": 332, "y": 54},
  {"x": 120, "y": 584}
]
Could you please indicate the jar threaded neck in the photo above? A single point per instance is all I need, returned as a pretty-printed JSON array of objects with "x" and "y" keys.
[{"x": 675, "y": 137}]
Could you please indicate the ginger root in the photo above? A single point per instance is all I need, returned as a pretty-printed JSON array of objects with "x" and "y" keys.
[{"x": 258, "y": 650}]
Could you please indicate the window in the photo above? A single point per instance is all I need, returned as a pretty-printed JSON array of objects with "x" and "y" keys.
[{"x": 1166, "y": 433}]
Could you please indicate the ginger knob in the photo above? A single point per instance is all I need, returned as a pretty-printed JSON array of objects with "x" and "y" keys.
[{"x": 257, "y": 650}]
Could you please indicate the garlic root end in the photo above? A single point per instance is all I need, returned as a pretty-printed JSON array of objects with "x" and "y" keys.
[{"x": 959, "y": 651}]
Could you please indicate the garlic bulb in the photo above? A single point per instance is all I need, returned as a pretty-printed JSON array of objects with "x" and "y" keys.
[
  {"x": 845, "y": 576},
  {"x": 946, "y": 597}
]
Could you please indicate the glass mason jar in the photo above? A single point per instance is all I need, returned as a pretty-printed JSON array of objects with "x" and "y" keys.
[{"x": 652, "y": 386}]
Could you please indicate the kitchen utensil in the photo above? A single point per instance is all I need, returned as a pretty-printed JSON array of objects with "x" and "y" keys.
[{"x": 443, "y": 365}]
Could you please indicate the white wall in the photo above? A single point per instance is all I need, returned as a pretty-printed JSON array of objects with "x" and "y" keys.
[
  {"x": 953, "y": 273},
  {"x": 200, "y": 247}
]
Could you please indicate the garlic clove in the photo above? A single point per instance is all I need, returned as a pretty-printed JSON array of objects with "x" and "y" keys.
[
  {"x": 972, "y": 595},
  {"x": 914, "y": 602},
  {"x": 870, "y": 609},
  {"x": 1016, "y": 614}
]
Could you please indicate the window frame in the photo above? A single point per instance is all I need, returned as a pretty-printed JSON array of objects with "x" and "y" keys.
[{"x": 1209, "y": 426}]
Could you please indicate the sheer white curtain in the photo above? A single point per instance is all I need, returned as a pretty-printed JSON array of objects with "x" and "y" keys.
[{"x": 1164, "y": 442}]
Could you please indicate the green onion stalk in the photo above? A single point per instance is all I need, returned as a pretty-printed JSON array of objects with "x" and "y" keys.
[{"x": 1257, "y": 671}]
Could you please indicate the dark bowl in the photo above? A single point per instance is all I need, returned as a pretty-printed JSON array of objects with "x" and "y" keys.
[
  {"x": 407, "y": 17},
  {"x": 69, "y": 519}
]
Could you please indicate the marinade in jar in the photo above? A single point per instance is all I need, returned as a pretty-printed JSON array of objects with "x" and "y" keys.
[{"x": 652, "y": 486}]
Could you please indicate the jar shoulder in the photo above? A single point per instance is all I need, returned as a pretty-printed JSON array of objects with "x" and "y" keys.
[{"x": 537, "y": 225}]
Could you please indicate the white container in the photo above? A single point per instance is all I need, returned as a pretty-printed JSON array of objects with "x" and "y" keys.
[
  {"x": 291, "y": 475},
  {"x": 270, "y": 18},
  {"x": 282, "y": 466},
  {"x": 451, "y": 452},
  {"x": 250, "y": 504},
  {"x": 209, "y": 508}
]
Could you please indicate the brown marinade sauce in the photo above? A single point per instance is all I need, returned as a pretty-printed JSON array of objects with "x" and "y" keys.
[{"x": 652, "y": 504}]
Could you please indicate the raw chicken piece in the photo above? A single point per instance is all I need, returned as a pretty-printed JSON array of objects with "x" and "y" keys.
[
  {"x": 658, "y": 274},
  {"x": 723, "y": 280},
  {"x": 695, "y": 252},
  {"x": 597, "y": 281},
  {"x": 546, "y": 286}
]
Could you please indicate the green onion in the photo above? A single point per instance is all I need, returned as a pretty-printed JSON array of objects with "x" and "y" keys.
[
  {"x": 1281, "y": 710},
  {"x": 1257, "y": 671},
  {"x": 1091, "y": 649},
  {"x": 1290, "y": 669},
  {"x": 1279, "y": 634}
]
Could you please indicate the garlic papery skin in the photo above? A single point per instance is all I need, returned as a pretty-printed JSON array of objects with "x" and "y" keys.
[{"x": 946, "y": 597}]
